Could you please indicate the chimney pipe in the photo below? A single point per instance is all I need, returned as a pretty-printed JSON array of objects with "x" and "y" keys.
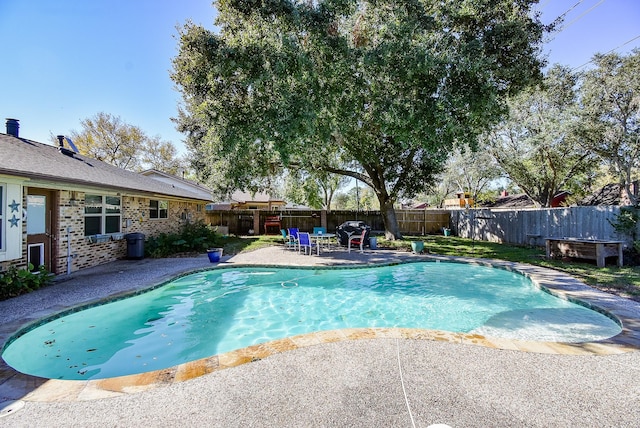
[
  {"x": 13, "y": 127},
  {"x": 60, "y": 140}
]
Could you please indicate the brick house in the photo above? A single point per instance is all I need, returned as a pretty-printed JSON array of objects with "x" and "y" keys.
[{"x": 69, "y": 212}]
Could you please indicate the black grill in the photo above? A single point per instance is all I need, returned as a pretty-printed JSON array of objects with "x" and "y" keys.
[{"x": 343, "y": 232}]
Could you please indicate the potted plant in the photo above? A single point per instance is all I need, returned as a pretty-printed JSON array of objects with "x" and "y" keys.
[
  {"x": 214, "y": 254},
  {"x": 417, "y": 246}
]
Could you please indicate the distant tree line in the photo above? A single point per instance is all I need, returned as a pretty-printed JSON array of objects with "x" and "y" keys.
[{"x": 108, "y": 138}]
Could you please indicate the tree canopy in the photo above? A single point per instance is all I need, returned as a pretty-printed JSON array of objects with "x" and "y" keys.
[
  {"x": 110, "y": 139},
  {"x": 315, "y": 188},
  {"x": 388, "y": 86},
  {"x": 538, "y": 146},
  {"x": 472, "y": 171},
  {"x": 611, "y": 115}
]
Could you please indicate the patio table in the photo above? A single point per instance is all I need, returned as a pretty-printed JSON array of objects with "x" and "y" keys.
[{"x": 323, "y": 238}]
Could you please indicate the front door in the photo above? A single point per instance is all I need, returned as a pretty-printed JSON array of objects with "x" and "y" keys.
[{"x": 39, "y": 230}]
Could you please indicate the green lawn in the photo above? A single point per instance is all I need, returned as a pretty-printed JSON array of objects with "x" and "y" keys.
[
  {"x": 618, "y": 280},
  {"x": 623, "y": 281}
]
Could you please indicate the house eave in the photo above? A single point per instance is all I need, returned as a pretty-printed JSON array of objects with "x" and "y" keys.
[{"x": 61, "y": 183}]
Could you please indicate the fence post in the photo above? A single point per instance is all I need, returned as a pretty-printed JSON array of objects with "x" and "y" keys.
[{"x": 256, "y": 222}]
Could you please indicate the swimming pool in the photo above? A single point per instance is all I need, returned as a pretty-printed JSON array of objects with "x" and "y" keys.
[{"x": 213, "y": 312}]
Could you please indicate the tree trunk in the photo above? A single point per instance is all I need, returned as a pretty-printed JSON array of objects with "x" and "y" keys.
[{"x": 391, "y": 229}]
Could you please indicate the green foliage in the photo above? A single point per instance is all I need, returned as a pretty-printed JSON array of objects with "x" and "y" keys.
[
  {"x": 110, "y": 139},
  {"x": 359, "y": 197},
  {"x": 314, "y": 189},
  {"x": 15, "y": 281},
  {"x": 385, "y": 87},
  {"x": 626, "y": 221},
  {"x": 538, "y": 145},
  {"x": 611, "y": 115},
  {"x": 470, "y": 171},
  {"x": 193, "y": 238}
]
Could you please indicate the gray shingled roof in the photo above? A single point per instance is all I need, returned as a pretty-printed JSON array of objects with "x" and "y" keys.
[
  {"x": 511, "y": 201},
  {"x": 610, "y": 194},
  {"x": 27, "y": 158}
]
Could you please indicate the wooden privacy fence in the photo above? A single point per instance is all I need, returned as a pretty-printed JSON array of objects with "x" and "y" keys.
[
  {"x": 513, "y": 226},
  {"x": 532, "y": 226},
  {"x": 423, "y": 222},
  {"x": 244, "y": 222}
]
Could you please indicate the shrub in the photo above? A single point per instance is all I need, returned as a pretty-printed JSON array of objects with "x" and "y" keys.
[
  {"x": 15, "y": 281},
  {"x": 193, "y": 238},
  {"x": 626, "y": 222}
]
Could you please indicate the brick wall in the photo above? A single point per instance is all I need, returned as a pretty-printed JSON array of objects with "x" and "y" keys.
[
  {"x": 135, "y": 218},
  {"x": 68, "y": 233}
]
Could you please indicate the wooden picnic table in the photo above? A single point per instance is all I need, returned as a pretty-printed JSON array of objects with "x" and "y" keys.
[{"x": 592, "y": 249}]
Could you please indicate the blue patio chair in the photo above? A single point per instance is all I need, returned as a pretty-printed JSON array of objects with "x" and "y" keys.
[
  {"x": 293, "y": 235},
  {"x": 304, "y": 241},
  {"x": 287, "y": 240},
  {"x": 319, "y": 229}
]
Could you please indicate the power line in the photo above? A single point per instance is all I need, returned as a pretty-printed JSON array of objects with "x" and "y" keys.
[
  {"x": 608, "y": 52},
  {"x": 570, "y": 9},
  {"x": 564, "y": 27}
]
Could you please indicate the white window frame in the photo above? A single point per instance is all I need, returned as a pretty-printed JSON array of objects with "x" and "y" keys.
[
  {"x": 11, "y": 237},
  {"x": 3, "y": 233},
  {"x": 104, "y": 212},
  {"x": 155, "y": 213}
]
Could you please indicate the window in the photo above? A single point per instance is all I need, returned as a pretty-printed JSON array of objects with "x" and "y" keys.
[
  {"x": 102, "y": 214},
  {"x": 158, "y": 209},
  {"x": 37, "y": 214}
]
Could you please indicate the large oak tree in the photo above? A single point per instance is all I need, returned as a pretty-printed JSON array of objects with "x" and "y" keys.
[
  {"x": 538, "y": 146},
  {"x": 388, "y": 86},
  {"x": 611, "y": 115}
]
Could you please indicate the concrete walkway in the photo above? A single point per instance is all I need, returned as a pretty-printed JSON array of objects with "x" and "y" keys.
[{"x": 368, "y": 381}]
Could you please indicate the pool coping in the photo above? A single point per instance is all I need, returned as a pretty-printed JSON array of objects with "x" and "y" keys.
[{"x": 17, "y": 385}]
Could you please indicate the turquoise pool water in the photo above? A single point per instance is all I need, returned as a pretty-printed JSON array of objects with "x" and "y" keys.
[{"x": 221, "y": 310}]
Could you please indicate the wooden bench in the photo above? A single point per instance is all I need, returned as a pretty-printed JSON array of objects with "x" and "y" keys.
[
  {"x": 591, "y": 249},
  {"x": 272, "y": 221}
]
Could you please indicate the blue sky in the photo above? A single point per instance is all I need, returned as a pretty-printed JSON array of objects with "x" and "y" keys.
[{"x": 66, "y": 60}]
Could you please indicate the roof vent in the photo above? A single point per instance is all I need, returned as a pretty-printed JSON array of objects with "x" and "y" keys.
[
  {"x": 62, "y": 149},
  {"x": 13, "y": 127}
]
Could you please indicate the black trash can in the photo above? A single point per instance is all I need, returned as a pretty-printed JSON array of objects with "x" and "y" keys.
[{"x": 135, "y": 245}]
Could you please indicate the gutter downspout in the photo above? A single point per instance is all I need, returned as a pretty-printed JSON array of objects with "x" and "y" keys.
[{"x": 69, "y": 257}]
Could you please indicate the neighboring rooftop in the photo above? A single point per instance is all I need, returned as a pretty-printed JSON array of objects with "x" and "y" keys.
[
  {"x": 610, "y": 194},
  {"x": 512, "y": 201}
]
